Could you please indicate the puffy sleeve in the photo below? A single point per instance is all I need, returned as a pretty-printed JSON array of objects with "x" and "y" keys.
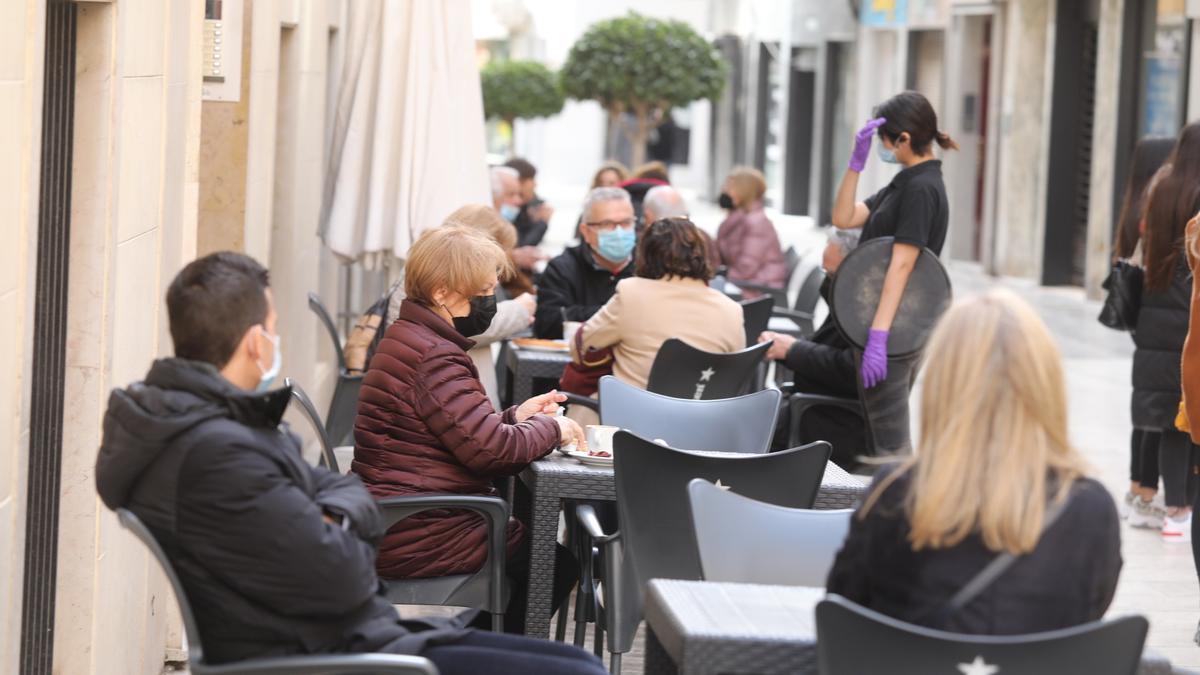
[{"x": 458, "y": 412}]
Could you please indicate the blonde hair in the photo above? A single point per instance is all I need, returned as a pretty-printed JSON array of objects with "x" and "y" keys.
[
  {"x": 748, "y": 183},
  {"x": 993, "y": 430},
  {"x": 611, "y": 165},
  {"x": 460, "y": 259},
  {"x": 485, "y": 219}
]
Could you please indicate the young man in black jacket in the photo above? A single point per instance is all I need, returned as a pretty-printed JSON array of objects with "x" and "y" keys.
[
  {"x": 824, "y": 364},
  {"x": 277, "y": 557},
  {"x": 578, "y": 282}
]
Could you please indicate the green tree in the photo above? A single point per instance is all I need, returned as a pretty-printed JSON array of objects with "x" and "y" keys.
[
  {"x": 644, "y": 66},
  {"x": 519, "y": 89}
]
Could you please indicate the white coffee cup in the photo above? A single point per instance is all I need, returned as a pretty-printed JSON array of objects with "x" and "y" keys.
[
  {"x": 569, "y": 330},
  {"x": 600, "y": 437}
]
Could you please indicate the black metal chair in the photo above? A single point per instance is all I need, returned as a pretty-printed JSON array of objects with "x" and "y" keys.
[
  {"x": 741, "y": 424},
  {"x": 332, "y": 664},
  {"x": 656, "y": 539},
  {"x": 327, "y": 459},
  {"x": 683, "y": 371},
  {"x": 743, "y": 540},
  {"x": 898, "y": 648},
  {"x": 798, "y": 321},
  {"x": 486, "y": 589},
  {"x": 344, "y": 404}
]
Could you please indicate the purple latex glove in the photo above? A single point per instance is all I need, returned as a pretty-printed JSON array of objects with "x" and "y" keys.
[
  {"x": 862, "y": 144},
  {"x": 874, "y": 359}
]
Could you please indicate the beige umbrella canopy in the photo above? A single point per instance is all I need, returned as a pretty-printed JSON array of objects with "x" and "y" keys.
[{"x": 407, "y": 145}]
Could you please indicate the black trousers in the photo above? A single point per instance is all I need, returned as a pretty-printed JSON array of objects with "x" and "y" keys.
[
  {"x": 1177, "y": 459},
  {"x": 1143, "y": 459},
  {"x": 499, "y": 654}
]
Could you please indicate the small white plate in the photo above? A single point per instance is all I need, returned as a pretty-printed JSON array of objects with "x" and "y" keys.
[
  {"x": 590, "y": 460},
  {"x": 568, "y": 449}
]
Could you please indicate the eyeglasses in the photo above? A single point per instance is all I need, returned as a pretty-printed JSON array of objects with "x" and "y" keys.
[{"x": 610, "y": 225}]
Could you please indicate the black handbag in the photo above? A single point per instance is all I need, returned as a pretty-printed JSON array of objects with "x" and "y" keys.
[{"x": 1124, "y": 301}]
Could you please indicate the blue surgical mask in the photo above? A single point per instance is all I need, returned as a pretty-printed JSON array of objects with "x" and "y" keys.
[
  {"x": 617, "y": 244},
  {"x": 269, "y": 375},
  {"x": 888, "y": 156},
  {"x": 509, "y": 212}
]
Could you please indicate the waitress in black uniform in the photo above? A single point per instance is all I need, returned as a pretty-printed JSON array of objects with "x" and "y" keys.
[{"x": 912, "y": 208}]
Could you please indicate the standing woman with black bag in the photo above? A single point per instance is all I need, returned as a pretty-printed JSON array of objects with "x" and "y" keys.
[
  {"x": 1162, "y": 326},
  {"x": 1142, "y": 504}
]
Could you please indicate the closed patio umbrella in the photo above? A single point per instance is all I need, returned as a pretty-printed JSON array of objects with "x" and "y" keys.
[{"x": 407, "y": 145}]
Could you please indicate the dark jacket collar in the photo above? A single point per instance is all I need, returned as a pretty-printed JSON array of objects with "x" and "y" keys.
[
  {"x": 901, "y": 179},
  {"x": 252, "y": 408},
  {"x": 419, "y": 314}
]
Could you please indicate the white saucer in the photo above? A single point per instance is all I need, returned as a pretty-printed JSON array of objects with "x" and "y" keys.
[{"x": 590, "y": 460}]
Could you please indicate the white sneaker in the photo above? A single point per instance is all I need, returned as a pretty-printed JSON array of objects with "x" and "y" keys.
[
  {"x": 1176, "y": 530},
  {"x": 1146, "y": 514}
]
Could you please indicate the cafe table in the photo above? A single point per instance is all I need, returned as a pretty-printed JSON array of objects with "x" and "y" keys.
[
  {"x": 556, "y": 478},
  {"x": 706, "y": 628},
  {"x": 526, "y": 365}
]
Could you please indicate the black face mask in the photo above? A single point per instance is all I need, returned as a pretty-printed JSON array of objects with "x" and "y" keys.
[
  {"x": 483, "y": 310},
  {"x": 725, "y": 201}
]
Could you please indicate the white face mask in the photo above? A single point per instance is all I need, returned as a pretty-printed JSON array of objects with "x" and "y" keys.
[{"x": 269, "y": 374}]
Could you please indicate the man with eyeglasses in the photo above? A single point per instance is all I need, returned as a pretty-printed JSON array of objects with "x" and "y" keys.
[{"x": 578, "y": 282}]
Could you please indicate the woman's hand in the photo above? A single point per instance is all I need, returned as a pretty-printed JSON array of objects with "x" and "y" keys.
[
  {"x": 862, "y": 144},
  {"x": 546, "y": 404},
  {"x": 874, "y": 359},
  {"x": 528, "y": 302},
  {"x": 571, "y": 433},
  {"x": 780, "y": 344}
]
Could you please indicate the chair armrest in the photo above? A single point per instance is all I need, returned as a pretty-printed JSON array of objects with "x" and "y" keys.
[
  {"x": 800, "y": 403},
  {"x": 391, "y": 664},
  {"x": 793, "y": 314},
  {"x": 591, "y": 524},
  {"x": 585, "y": 401}
]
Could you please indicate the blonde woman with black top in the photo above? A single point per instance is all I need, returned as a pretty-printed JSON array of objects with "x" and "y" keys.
[{"x": 994, "y": 473}]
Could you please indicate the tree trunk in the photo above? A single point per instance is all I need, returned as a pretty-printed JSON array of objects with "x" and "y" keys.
[
  {"x": 637, "y": 140},
  {"x": 512, "y": 136}
]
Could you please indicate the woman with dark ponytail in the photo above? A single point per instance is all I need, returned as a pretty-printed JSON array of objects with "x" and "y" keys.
[{"x": 912, "y": 209}]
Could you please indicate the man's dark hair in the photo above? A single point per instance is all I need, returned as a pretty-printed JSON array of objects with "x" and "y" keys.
[
  {"x": 524, "y": 169},
  {"x": 212, "y": 302},
  {"x": 673, "y": 247}
]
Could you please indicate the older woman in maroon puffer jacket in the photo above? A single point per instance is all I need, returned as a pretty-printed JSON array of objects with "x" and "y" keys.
[{"x": 425, "y": 423}]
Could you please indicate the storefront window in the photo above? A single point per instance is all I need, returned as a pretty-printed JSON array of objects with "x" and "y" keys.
[{"x": 1162, "y": 100}]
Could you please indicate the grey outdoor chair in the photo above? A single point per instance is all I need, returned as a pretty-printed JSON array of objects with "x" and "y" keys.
[
  {"x": 742, "y": 424},
  {"x": 656, "y": 538},
  {"x": 332, "y": 664},
  {"x": 748, "y": 541},
  {"x": 339, "y": 420},
  {"x": 798, "y": 320},
  {"x": 485, "y": 589},
  {"x": 898, "y": 648}
]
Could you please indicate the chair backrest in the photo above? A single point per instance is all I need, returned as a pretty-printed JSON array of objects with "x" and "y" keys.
[
  {"x": 742, "y": 424},
  {"x": 756, "y": 314},
  {"x": 808, "y": 297},
  {"x": 343, "y": 408},
  {"x": 652, "y": 503},
  {"x": 682, "y": 371},
  {"x": 318, "y": 308},
  {"x": 748, "y": 541},
  {"x": 132, "y": 523},
  {"x": 844, "y": 628},
  {"x": 328, "y": 459}
]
